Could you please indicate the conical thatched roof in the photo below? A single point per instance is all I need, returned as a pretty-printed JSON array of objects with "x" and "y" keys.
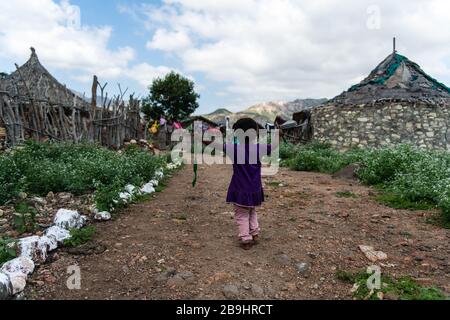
[
  {"x": 33, "y": 79},
  {"x": 396, "y": 78}
]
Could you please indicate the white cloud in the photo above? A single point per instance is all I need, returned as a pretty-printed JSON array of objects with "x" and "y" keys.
[
  {"x": 283, "y": 49},
  {"x": 144, "y": 73},
  {"x": 169, "y": 41},
  {"x": 52, "y": 28}
]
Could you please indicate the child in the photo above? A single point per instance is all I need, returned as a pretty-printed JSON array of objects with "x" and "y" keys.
[{"x": 245, "y": 191}]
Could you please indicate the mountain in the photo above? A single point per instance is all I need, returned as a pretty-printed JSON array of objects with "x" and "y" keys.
[{"x": 267, "y": 111}]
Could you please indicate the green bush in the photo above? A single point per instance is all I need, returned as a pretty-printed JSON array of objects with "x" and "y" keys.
[
  {"x": 79, "y": 237},
  {"x": 6, "y": 251},
  {"x": 322, "y": 158},
  {"x": 38, "y": 168}
]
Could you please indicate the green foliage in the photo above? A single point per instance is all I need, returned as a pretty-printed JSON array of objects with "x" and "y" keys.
[
  {"x": 7, "y": 251},
  {"x": 25, "y": 218},
  {"x": 405, "y": 288},
  {"x": 38, "y": 168},
  {"x": 3, "y": 75},
  {"x": 79, "y": 236},
  {"x": 346, "y": 194},
  {"x": 322, "y": 158},
  {"x": 172, "y": 97},
  {"x": 394, "y": 201}
]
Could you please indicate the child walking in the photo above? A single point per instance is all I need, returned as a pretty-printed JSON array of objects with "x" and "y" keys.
[{"x": 245, "y": 191}]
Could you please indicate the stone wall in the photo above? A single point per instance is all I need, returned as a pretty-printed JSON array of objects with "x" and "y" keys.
[{"x": 382, "y": 124}]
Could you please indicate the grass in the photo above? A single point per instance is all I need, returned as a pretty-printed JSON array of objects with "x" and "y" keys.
[
  {"x": 405, "y": 288},
  {"x": 396, "y": 202},
  {"x": 79, "y": 237},
  {"x": 274, "y": 184},
  {"x": 346, "y": 194}
]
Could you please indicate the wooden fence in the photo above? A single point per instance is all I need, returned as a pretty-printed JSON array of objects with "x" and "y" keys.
[{"x": 111, "y": 123}]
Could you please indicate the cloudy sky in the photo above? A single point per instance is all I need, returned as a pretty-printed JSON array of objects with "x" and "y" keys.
[{"x": 238, "y": 52}]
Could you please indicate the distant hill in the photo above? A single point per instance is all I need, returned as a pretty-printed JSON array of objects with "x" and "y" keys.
[{"x": 266, "y": 112}]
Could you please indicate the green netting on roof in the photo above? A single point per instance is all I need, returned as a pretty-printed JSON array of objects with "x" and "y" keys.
[
  {"x": 398, "y": 59},
  {"x": 392, "y": 68}
]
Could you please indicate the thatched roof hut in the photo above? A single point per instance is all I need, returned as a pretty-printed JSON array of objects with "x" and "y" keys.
[{"x": 32, "y": 80}]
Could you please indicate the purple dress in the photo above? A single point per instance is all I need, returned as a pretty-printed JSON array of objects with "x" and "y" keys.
[{"x": 246, "y": 185}]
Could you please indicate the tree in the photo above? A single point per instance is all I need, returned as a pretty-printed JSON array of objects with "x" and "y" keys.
[
  {"x": 172, "y": 97},
  {"x": 3, "y": 75}
]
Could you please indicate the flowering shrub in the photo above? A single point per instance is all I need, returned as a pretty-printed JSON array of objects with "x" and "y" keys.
[{"x": 38, "y": 168}]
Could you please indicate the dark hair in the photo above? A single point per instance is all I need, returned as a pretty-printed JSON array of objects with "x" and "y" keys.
[{"x": 246, "y": 124}]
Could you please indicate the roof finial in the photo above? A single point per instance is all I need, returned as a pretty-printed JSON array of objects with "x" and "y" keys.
[
  {"x": 33, "y": 51},
  {"x": 395, "y": 49}
]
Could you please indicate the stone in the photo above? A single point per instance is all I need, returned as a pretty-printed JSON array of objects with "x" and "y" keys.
[
  {"x": 148, "y": 188},
  {"x": 102, "y": 216},
  {"x": 22, "y": 195},
  {"x": 390, "y": 296},
  {"x": 37, "y": 248},
  {"x": 68, "y": 219},
  {"x": 166, "y": 275},
  {"x": 257, "y": 291},
  {"x": 18, "y": 270},
  {"x": 64, "y": 196},
  {"x": 6, "y": 288},
  {"x": 187, "y": 275},
  {"x": 283, "y": 259},
  {"x": 303, "y": 267},
  {"x": 230, "y": 291},
  {"x": 373, "y": 255},
  {"x": 57, "y": 233},
  {"x": 1, "y": 213},
  {"x": 176, "y": 281}
]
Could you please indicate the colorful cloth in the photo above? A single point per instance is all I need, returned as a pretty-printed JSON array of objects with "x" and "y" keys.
[{"x": 246, "y": 186}]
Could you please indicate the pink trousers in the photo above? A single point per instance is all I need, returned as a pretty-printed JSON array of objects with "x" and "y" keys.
[{"x": 247, "y": 221}]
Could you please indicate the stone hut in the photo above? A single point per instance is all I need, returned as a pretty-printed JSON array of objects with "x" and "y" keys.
[{"x": 398, "y": 103}]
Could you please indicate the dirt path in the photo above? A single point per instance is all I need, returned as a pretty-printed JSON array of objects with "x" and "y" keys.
[{"x": 190, "y": 230}]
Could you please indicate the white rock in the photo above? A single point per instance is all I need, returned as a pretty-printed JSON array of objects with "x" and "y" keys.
[
  {"x": 155, "y": 183},
  {"x": 103, "y": 216},
  {"x": 22, "y": 265},
  {"x": 6, "y": 289},
  {"x": 148, "y": 188},
  {"x": 45, "y": 245},
  {"x": 69, "y": 219},
  {"x": 57, "y": 233},
  {"x": 130, "y": 189},
  {"x": 28, "y": 246},
  {"x": 159, "y": 174},
  {"x": 18, "y": 282},
  {"x": 125, "y": 196}
]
